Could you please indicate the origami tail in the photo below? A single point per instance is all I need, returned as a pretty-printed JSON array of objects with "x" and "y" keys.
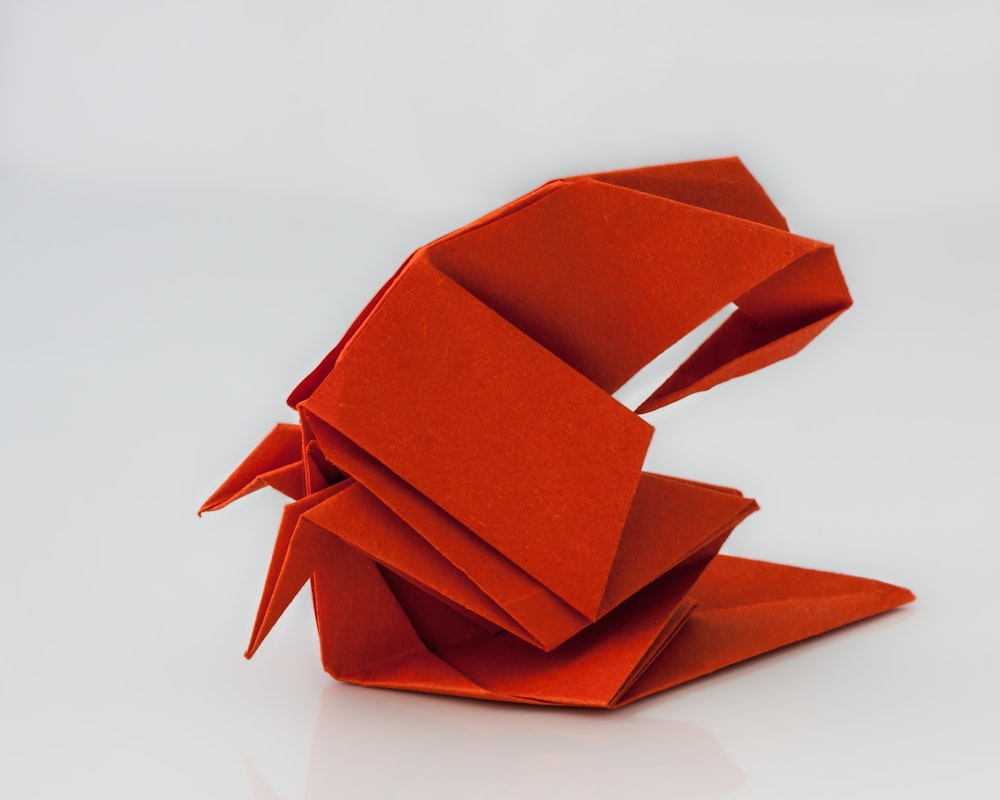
[{"x": 745, "y": 608}]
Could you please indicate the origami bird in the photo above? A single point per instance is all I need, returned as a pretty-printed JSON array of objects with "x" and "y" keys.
[{"x": 468, "y": 499}]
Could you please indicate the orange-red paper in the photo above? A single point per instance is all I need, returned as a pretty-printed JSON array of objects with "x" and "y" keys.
[{"x": 468, "y": 500}]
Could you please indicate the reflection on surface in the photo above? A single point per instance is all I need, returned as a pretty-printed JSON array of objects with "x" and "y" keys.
[
  {"x": 385, "y": 744},
  {"x": 259, "y": 788}
]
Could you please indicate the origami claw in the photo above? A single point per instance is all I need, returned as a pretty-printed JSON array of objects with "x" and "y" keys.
[{"x": 468, "y": 500}]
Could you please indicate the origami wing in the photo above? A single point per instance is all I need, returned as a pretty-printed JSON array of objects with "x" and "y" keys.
[{"x": 470, "y": 504}]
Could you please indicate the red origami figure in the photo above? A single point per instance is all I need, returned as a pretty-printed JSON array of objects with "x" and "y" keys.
[{"x": 468, "y": 500}]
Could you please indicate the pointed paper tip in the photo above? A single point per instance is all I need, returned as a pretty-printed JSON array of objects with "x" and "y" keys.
[
  {"x": 262, "y": 627},
  {"x": 661, "y": 398},
  {"x": 216, "y": 501},
  {"x": 900, "y": 595},
  {"x": 891, "y": 596},
  {"x": 260, "y": 632}
]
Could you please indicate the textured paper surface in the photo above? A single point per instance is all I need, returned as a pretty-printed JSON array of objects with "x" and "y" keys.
[{"x": 468, "y": 500}]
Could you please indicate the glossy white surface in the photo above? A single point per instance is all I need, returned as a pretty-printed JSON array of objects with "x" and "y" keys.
[{"x": 195, "y": 200}]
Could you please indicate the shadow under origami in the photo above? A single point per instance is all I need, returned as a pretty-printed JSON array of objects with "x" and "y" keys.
[{"x": 468, "y": 500}]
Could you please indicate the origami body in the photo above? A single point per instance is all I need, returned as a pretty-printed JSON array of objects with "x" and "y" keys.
[{"x": 469, "y": 503}]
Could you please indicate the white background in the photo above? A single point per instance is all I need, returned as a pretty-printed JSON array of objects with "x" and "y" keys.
[{"x": 197, "y": 197}]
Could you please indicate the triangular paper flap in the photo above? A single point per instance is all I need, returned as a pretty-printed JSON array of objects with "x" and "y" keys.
[
  {"x": 746, "y": 608},
  {"x": 669, "y": 519},
  {"x": 290, "y": 566},
  {"x": 774, "y": 320},
  {"x": 740, "y": 346},
  {"x": 548, "y": 619},
  {"x": 731, "y": 582},
  {"x": 435, "y": 385},
  {"x": 591, "y": 668},
  {"x": 364, "y": 634},
  {"x": 276, "y": 461},
  {"x": 720, "y": 184},
  {"x": 363, "y": 521},
  {"x": 607, "y": 277}
]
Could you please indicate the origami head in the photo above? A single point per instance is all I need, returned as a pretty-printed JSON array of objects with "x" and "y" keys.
[{"x": 468, "y": 498}]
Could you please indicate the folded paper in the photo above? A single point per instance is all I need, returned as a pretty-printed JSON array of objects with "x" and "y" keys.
[{"x": 468, "y": 499}]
